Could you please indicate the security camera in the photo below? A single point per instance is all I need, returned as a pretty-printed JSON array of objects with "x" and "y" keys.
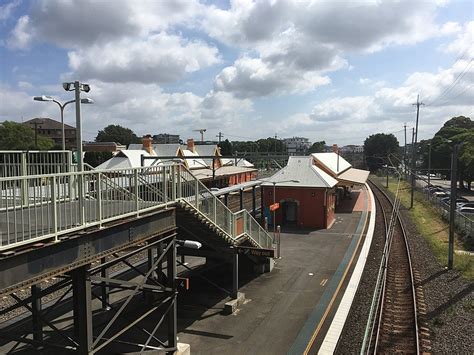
[
  {"x": 85, "y": 88},
  {"x": 67, "y": 86}
]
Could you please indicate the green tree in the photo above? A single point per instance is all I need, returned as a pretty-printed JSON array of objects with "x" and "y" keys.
[
  {"x": 226, "y": 147},
  {"x": 455, "y": 131},
  {"x": 317, "y": 147},
  {"x": 15, "y": 136},
  {"x": 117, "y": 134},
  {"x": 377, "y": 148}
]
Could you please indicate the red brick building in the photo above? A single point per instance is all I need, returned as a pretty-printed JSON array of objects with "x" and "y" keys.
[{"x": 305, "y": 192}]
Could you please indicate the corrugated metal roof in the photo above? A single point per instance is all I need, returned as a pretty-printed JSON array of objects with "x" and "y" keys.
[
  {"x": 332, "y": 161},
  {"x": 128, "y": 158},
  {"x": 304, "y": 171},
  {"x": 165, "y": 150},
  {"x": 357, "y": 176},
  {"x": 240, "y": 162},
  {"x": 206, "y": 150},
  {"x": 195, "y": 162},
  {"x": 222, "y": 171}
]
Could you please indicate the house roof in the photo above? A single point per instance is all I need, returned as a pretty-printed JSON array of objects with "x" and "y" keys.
[
  {"x": 240, "y": 162},
  {"x": 303, "y": 170},
  {"x": 206, "y": 150},
  {"x": 127, "y": 159},
  {"x": 166, "y": 150},
  {"x": 203, "y": 174},
  {"x": 193, "y": 160},
  {"x": 355, "y": 176},
  {"x": 48, "y": 123},
  {"x": 332, "y": 162}
]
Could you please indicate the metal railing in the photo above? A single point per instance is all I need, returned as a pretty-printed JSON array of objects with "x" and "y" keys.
[
  {"x": 38, "y": 207},
  {"x": 20, "y": 163},
  {"x": 197, "y": 195}
]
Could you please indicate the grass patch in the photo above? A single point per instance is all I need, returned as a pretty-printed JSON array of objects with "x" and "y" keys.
[{"x": 432, "y": 227}]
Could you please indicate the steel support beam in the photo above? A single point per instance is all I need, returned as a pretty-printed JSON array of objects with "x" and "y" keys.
[
  {"x": 254, "y": 202},
  {"x": 82, "y": 308},
  {"x": 104, "y": 286},
  {"x": 35, "y": 314},
  {"x": 172, "y": 312},
  {"x": 235, "y": 275},
  {"x": 241, "y": 199}
]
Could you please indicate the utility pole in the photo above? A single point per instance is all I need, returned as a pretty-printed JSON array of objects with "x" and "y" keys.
[
  {"x": 276, "y": 143},
  {"x": 220, "y": 135},
  {"x": 452, "y": 206},
  {"x": 412, "y": 176},
  {"x": 413, "y": 163},
  {"x": 405, "y": 151},
  {"x": 429, "y": 163}
]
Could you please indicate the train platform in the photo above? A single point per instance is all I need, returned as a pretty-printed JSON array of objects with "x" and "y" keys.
[{"x": 290, "y": 309}]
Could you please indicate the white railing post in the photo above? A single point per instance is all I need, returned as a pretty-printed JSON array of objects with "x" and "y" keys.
[
  {"x": 234, "y": 226},
  {"x": 99, "y": 197},
  {"x": 215, "y": 209},
  {"x": 164, "y": 184},
  {"x": 24, "y": 182},
  {"x": 196, "y": 193},
  {"x": 54, "y": 217},
  {"x": 135, "y": 183},
  {"x": 82, "y": 216},
  {"x": 173, "y": 183}
]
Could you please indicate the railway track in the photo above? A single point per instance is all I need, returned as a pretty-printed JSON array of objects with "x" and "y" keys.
[{"x": 393, "y": 325}]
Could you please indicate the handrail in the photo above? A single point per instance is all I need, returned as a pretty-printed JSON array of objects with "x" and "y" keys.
[
  {"x": 37, "y": 207},
  {"x": 250, "y": 226}
]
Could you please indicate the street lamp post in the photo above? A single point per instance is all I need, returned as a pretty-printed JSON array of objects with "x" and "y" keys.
[
  {"x": 77, "y": 87},
  {"x": 61, "y": 108}
]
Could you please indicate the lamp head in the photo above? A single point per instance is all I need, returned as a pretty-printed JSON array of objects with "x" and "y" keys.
[
  {"x": 68, "y": 86},
  {"x": 87, "y": 100},
  {"x": 85, "y": 87},
  {"x": 43, "y": 98}
]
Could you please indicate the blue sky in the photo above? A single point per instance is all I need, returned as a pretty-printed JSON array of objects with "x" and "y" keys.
[{"x": 326, "y": 70}]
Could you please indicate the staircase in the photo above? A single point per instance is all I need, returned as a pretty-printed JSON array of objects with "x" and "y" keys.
[{"x": 202, "y": 213}]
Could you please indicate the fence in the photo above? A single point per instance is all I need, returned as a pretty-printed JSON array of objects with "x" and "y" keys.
[
  {"x": 20, "y": 163},
  {"x": 37, "y": 207}
]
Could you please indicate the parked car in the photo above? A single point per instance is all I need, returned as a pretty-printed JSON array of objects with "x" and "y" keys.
[
  {"x": 466, "y": 210},
  {"x": 460, "y": 199},
  {"x": 440, "y": 194},
  {"x": 466, "y": 204}
]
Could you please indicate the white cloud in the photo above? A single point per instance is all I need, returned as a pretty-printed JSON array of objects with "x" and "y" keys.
[
  {"x": 157, "y": 58},
  {"x": 251, "y": 77},
  {"x": 302, "y": 40},
  {"x": 21, "y": 37},
  {"x": 463, "y": 44},
  {"x": 144, "y": 108},
  {"x": 7, "y": 9},
  {"x": 79, "y": 23}
]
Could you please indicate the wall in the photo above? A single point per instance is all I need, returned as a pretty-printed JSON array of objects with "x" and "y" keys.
[{"x": 312, "y": 212}]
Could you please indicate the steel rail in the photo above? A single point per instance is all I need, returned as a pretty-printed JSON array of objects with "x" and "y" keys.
[{"x": 403, "y": 234}]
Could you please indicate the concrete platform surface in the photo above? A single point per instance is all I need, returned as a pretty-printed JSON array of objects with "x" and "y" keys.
[{"x": 277, "y": 304}]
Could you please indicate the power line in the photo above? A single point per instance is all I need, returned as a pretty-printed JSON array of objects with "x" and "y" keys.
[{"x": 453, "y": 84}]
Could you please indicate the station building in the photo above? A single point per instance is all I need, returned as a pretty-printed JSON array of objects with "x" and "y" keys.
[{"x": 308, "y": 190}]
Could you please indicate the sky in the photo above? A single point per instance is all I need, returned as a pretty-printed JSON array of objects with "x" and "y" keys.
[{"x": 336, "y": 71}]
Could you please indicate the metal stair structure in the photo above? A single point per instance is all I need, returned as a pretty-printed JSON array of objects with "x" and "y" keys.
[
  {"x": 200, "y": 210},
  {"x": 73, "y": 201}
]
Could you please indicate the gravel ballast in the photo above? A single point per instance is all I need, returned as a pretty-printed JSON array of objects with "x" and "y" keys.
[{"x": 448, "y": 299}]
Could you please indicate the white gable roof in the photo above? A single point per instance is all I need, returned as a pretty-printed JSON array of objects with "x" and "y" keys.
[
  {"x": 128, "y": 158},
  {"x": 302, "y": 170},
  {"x": 193, "y": 160},
  {"x": 332, "y": 161}
]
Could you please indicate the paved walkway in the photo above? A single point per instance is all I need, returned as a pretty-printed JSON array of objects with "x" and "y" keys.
[{"x": 283, "y": 307}]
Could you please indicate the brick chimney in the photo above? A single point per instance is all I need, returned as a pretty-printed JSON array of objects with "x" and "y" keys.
[
  {"x": 335, "y": 149},
  {"x": 190, "y": 143},
  {"x": 146, "y": 141}
]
